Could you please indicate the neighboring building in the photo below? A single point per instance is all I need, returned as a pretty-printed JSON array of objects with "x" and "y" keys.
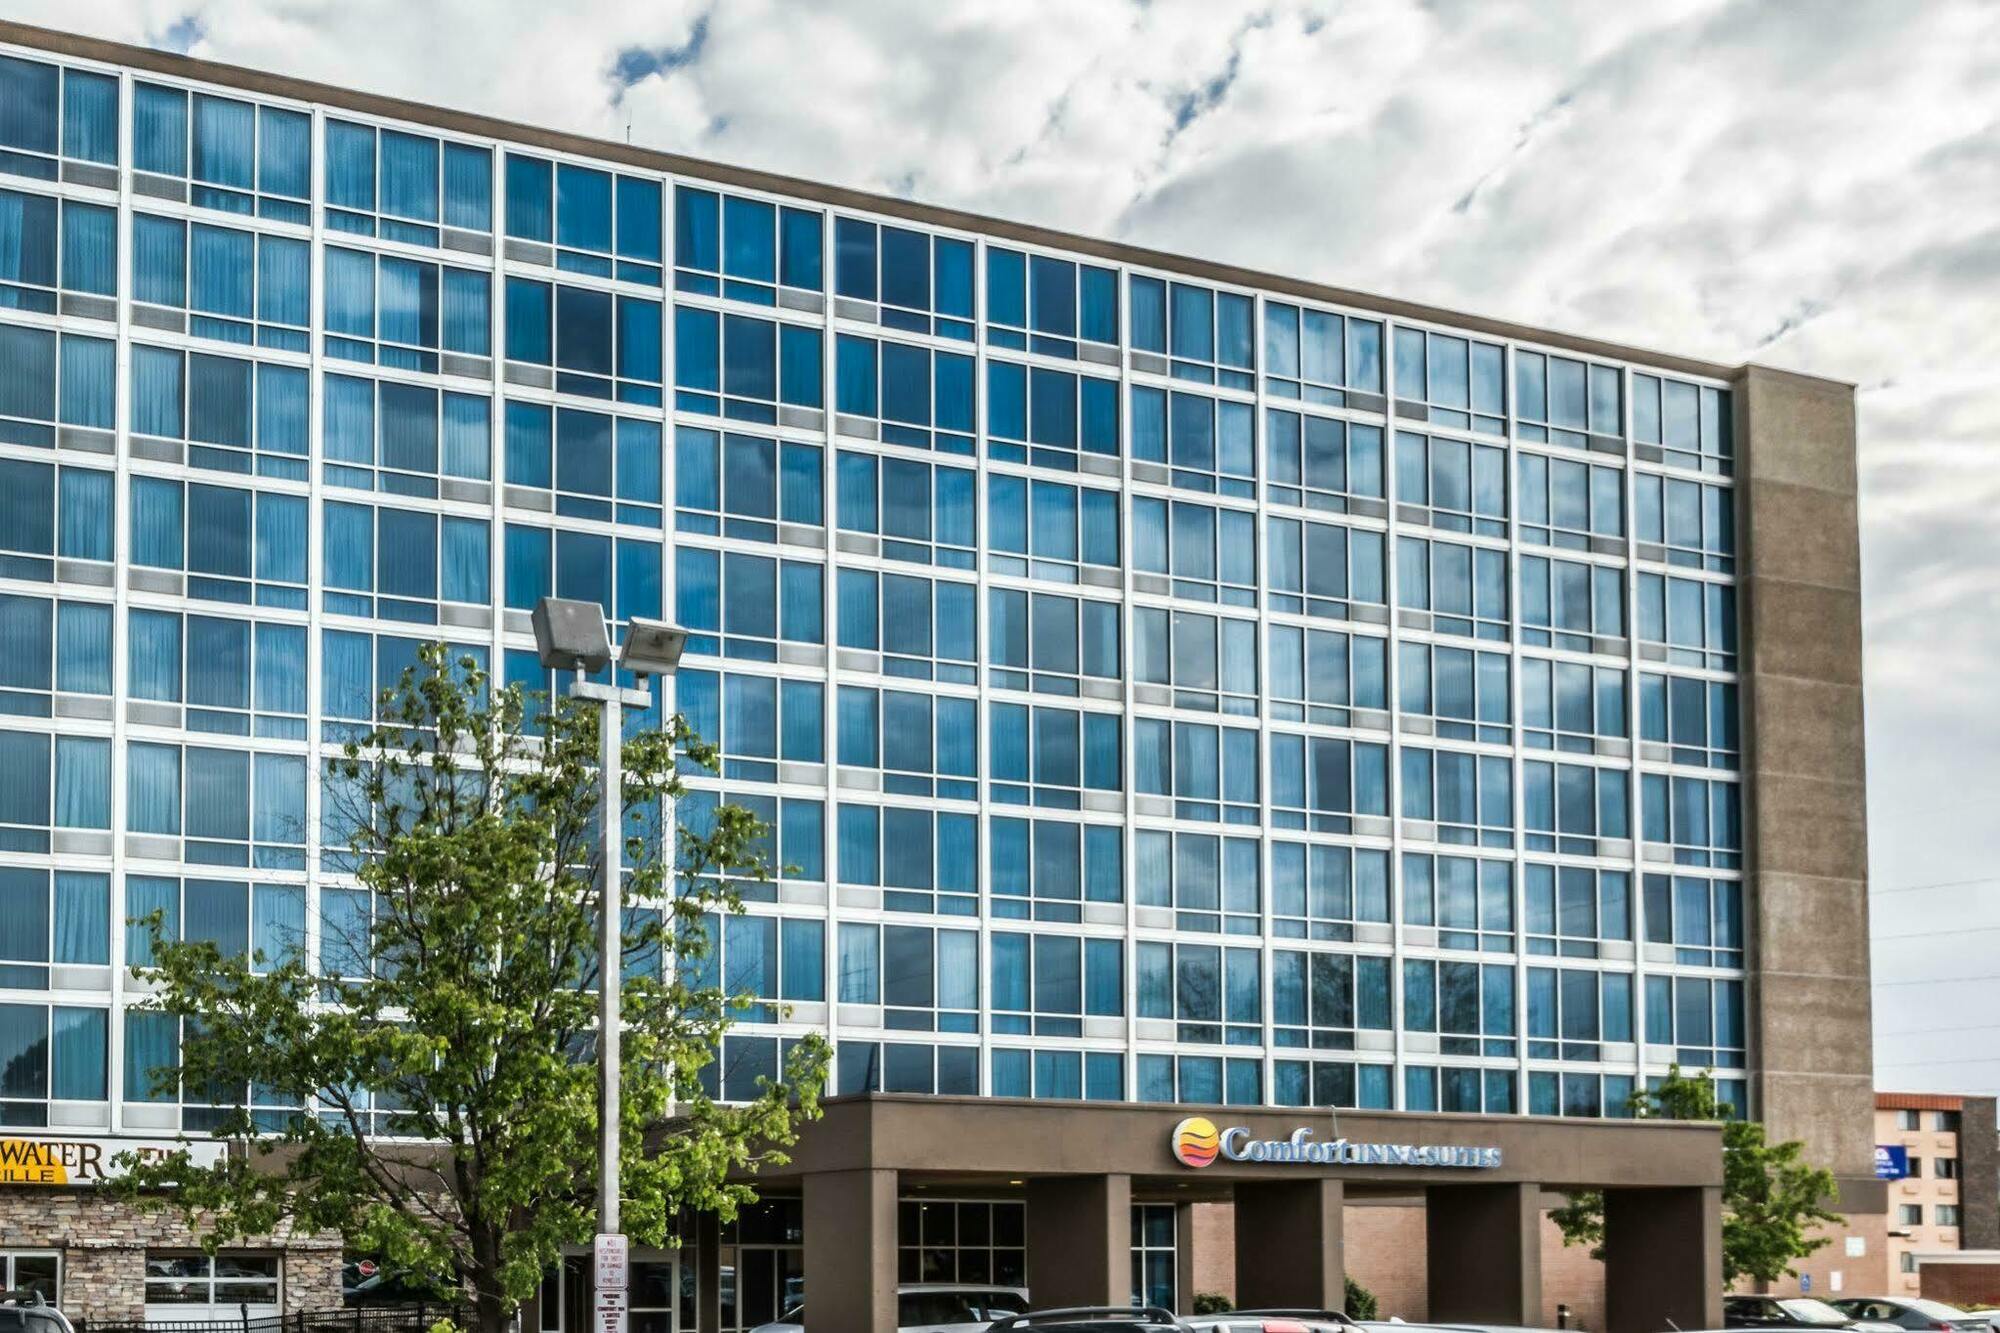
[
  {"x": 1168, "y": 683},
  {"x": 1941, "y": 1157}
]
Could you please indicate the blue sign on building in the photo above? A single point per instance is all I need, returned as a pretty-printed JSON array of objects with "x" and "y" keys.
[{"x": 1892, "y": 1161}]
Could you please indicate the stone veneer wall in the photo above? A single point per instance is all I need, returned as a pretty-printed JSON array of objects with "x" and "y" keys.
[{"x": 103, "y": 1243}]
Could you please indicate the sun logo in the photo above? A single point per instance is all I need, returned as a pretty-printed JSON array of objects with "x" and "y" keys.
[{"x": 1196, "y": 1141}]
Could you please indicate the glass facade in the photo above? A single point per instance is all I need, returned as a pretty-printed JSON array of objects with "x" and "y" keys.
[{"x": 1157, "y": 690}]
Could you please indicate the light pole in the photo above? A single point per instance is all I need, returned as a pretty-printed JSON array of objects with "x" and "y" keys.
[{"x": 572, "y": 636}]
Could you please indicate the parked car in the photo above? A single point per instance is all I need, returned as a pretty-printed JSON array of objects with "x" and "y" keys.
[
  {"x": 1093, "y": 1319},
  {"x": 27, "y": 1312},
  {"x": 931, "y": 1307},
  {"x": 1913, "y": 1312},
  {"x": 1794, "y": 1312},
  {"x": 1272, "y": 1321}
]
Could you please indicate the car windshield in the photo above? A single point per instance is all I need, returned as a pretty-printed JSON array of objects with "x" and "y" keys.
[
  {"x": 1809, "y": 1311},
  {"x": 957, "y": 1307}
]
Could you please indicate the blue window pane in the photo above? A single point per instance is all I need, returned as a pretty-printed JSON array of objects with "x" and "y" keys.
[
  {"x": 530, "y": 189},
  {"x": 159, "y": 130},
  {"x": 529, "y": 312},
  {"x": 800, "y": 263},
  {"x": 225, "y": 137},
  {"x": 350, "y": 166},
  {"x": 89, "y": 248},
  {"x": 583, "y": 208},
  {"x": 468, "y": 187},
  {"x": 639, "y": 219},
  {"x": 90, "y": 116},
  {"x": 284, "y": 152},
  {"x": 409, "y": 170}
]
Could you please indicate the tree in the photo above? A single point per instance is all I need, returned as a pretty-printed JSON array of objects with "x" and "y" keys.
[
  {"x": 444, "y": 1035},
  {"x": 1771, "y": 1198}
]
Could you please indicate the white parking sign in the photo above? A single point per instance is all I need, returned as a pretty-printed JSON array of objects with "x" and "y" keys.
[{"x": 613, "y": 1257}]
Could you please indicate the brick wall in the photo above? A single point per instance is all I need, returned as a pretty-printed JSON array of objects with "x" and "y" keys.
[
  {"x": 103, "y": 1242},
  {"x": 1961, "y": 1284}
]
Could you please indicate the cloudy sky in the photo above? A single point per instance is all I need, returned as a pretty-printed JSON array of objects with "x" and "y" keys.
[{"x": 1814, "y": 186}]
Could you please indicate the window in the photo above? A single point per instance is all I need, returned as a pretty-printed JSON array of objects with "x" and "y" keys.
[
  {"x": 601, "y": 345},
  {"x": 1571, "y": 910},
  {"x": 1049, "y": 530},
  {"x": 756, "y": 721},
  {"x": 1571, "y": 807},
  {"x": 234, "y": 545},
  {"x": 1097, "y": 1076},
  {"x": 1154, "y": 1260},
  {"x": 1323, "y": 569},
  {"x": 742, "y": 487},
  {"x": 1463, "y": 382},
  {"x": 48, "y": 113},
  {"x": 238, "y": 157},
  {"x": 1702, "y": 1020},
  {"x": 412, "y": 433},
  {"x": 1321, "y": 1000},
  {"x": 921, "y": 860},
  {"x": 27, "y": 1271},
  {"x": 1324, "y": 464},
  {"x": 263, "y": 924},
  {"x": 1470, "y": 1006},
  {"x": 587, "y": 464},
  {"x": 1210, "y": 444},
  {"x": 1691, "y": 722},
  {"x": 1685, "y": 523},
  {"x": 947, "y": 1241},
  {"x": 1909, "y": 1214},
  {"x": 903, "y": 278},
  {"x": 1322, "y": 782},
  {"x": 1573, "y": 708},
  {"x": 921, "y": 629},
  {"x": 49, "y": 244},
  {"x": 1574, "y": 506},
  {"x": 48, "y": 511},
  {"x": 746, "y": 249},
  {"x": 1463, "y": 692},
  {"x": 1907, "y": 1261},
  {"x": 403, "y": 312},
  {"x": 907, "y": 1066},
  {"x": 414, "y": 560},
  {"x": 1060, "y": 751},
  {"x": 1213, "y": 993},
  {"x": 1470, "y": 902},
  {"x": 234, "y": 415},
  {"x": 402, "y": 186},
  {"x": 47, "y": 378},
  {"x": 210, "y": 800},
  {"x": 1687, "y": 622},
  {"x": 1050, "y": 306},
  {"x": 236, "y": 677},
  {"x": 1314, "y": 355},
  {"x": 1045, "y": 868},
  {"x": 239, "y": 286},
  {"x": 1201, "y": 1078},
  {"x": 1052, "y": 644},
  {"x": 1043, "y": 985},
  {"x": 742, "y": 605},
  {"x": 924, "y": 745},
  {"x": 1196, "y": 551},
  {"x": 357, "y": 669},
  {"x": 1916, "y": 1168},
  {"x": 1571, "y": 1011},
  {"x": 1336, "y": 1083},
  {"x": 602, "y": 225},
  {"x": 225, "y": 1279},
  {"x": 1045, "y": 417},
  {"x": 53, "y": 922},
  {"x": 1905, "y": 1120},
  {"x": 1697, "y": 819},
  {"x": 1947, "y": 1169},
  {"x": 1321, "y": 892},
  {"x": 1455, "y": 589},
  {"x": 744, "y": 368},
  {"x": 1587, "y": 1095},
  {"x": 1186, "y": 659},
  {"x": 1700, "y": 919},
  {"x": 1209, "y": 334},
  {"x": 62, "y": 647},
  {"x": 1320, "y": 676},
  {"x": 912, "y": 396},
  {"x": 1947, "y": 1122},
  {"x": 1682, "y": 425},
  {"x": 1210, "y": 883},
  {"x": 925, "y": 979},
  {"x": 1210, "y": 771},
  {"x": 50, "y": 1052},
  {"x": 758, "y": 961},
  {"x": 792, "y": 848},
  {"x": 918, "y": 512},
  {"x": 1467, "y": 798},
  {"x": 1561, "y": 401},
  {"x": 1570, "y": 605}
]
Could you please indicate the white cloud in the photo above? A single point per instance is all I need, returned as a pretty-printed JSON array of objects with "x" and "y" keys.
[{"x": 1813, "y": 186}]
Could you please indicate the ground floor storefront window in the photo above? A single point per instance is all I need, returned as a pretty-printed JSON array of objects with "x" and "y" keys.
[
  {"x": 960, "y": 1240},
  {"x": 200, "y": 1286},
  {"x": 32, "y": 1270},
  {"x": 1153, "y": 1254}
]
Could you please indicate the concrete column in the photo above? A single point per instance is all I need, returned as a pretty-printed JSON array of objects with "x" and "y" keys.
[
  {"x": 1485, "y": 1253},
  {"x": 850, "y": 1220},
  {"x": 1184, "y": 1275},
  {"x": 1289, "y": 1247},
  {"x": 707, "y": 1273},
  {"x": 1080, "y": 1240},
  {"x": 1662, "y": 1259}
]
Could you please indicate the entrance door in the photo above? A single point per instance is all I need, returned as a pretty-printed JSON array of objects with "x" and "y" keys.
[{"x": 32, "y": 1270}]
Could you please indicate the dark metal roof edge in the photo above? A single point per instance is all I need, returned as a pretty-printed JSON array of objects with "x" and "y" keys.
[{"x": 170, "y": 63}]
